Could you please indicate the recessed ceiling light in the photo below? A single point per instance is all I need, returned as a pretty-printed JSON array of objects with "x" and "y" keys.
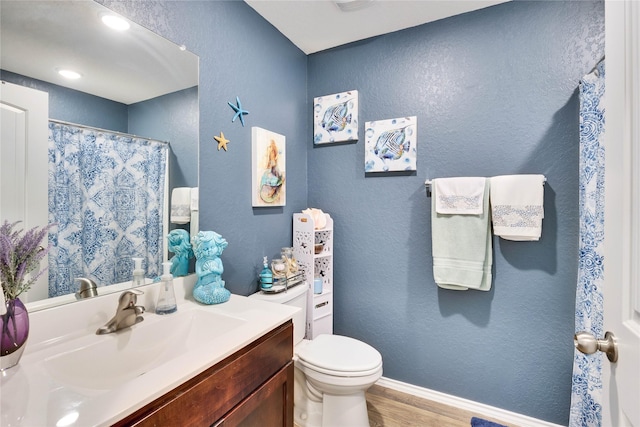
[
  {"x": 69, "y": 74},
  {"x": 352, "y": 5},
  {"x": 115, "y": 22}
]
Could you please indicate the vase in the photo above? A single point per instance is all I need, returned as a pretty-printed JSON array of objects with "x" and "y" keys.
[{"x": 15, "y": 331}]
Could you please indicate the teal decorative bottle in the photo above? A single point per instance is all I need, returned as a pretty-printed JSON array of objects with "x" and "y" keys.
[{"x": 266, "y": 276}]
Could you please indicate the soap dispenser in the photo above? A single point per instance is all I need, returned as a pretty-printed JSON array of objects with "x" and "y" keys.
[
  {"x": 138, "y": 273},
  {"x": 266, "y": 276},
  {"x": 166, "y": 298}
]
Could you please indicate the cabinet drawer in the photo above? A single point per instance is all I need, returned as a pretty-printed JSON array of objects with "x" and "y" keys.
[
  {"x": 270, "y": 405},
  {"x": 322, "y": 305},
  {"x": 204, "y": 399}
]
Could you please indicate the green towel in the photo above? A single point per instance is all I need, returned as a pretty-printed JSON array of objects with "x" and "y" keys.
[{"x": 461, "y": 246}]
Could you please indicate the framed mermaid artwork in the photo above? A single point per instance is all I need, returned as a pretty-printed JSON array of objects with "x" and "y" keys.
[
  {"x": 335, "y": 118},
  {"x": 391, "y": 145},
  {"x": 268, "y": 168}
]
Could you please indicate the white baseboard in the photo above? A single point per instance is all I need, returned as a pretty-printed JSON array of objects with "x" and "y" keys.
[{"x": 480, "y": 409}]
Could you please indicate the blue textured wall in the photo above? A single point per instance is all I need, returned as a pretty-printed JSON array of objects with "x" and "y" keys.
[
  {"x": 173, "y": 117},
  {"x": 495, "y": 92}
]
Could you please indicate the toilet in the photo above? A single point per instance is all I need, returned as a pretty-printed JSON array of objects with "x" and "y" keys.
[{"x": 332, "y": 372}]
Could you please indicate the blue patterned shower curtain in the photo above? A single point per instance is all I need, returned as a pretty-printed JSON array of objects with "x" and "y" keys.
[
  {"x": 586, "y": 390},
  {"x": 106, "y": 195}
]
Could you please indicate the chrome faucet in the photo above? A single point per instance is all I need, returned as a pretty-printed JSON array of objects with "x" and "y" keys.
[
  {"x": 88, "y": 288},
  {"x": 127, "y": 313}
]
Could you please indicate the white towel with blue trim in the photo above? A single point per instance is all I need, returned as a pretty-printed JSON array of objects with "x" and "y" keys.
[
  {"x": 181, "y": 205},
  {"x": 460, "y": 195},
  {"x": 462, "y": 247},
  {"x": 517, "y": 206}
]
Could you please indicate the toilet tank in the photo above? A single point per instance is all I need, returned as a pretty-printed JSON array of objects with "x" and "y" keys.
[{"x": 296, "y": 297}]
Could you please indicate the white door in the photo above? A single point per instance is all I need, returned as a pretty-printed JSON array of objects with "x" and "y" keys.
[
  {"x": 23, "y": 162},
  {"x": 621, "y": 380}
]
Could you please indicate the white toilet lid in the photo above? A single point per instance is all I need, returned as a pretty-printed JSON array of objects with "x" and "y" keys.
[{"x": 340, "y": 354}]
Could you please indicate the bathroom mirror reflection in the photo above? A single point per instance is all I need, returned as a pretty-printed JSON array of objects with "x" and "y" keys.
[{"x": 137, "y": 96}]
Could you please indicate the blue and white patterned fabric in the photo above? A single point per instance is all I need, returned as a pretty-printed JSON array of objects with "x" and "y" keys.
[
  {"x": 586, "y": 390},
  {"x": 106, "y": 194}
]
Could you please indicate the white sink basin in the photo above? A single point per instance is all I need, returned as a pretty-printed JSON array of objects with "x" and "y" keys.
[
  {"x": 70, "y": 376},
  {"x": 103, "y": 362}
]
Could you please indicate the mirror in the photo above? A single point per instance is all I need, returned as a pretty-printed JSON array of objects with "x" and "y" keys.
[{"x": 131, "y": 77}]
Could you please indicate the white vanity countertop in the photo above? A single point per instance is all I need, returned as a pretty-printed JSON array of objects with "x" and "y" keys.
[{"x": 31, "y": 396}]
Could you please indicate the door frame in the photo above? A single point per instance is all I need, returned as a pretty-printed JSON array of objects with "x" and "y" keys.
[{"x": 621, "y": 381}]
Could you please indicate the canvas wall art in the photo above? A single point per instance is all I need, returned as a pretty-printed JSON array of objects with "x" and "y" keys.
[
  {"x": 391, "y": 145},
  {"x": 335, "y": 118},
  {"x": 268, "y": 165}
]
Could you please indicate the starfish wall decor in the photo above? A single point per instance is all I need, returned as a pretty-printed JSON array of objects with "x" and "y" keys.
[
  {"x": 222, "y": 141},
  {"x": 240, "y": 112}
]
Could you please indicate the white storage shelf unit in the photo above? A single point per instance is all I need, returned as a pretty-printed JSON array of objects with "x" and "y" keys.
[{"x": 305, "y": 237}]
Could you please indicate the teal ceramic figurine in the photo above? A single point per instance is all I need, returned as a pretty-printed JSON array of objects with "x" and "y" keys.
[
  {"x": 209, "y": 289},
  {"x": 180, "y": 245}
]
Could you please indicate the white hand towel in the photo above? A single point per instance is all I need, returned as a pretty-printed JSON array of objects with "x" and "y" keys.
[
  {"x": 181, "y": 205},
  {"x": 461, "y": 247},
  {"x": 194, "y": 227},
  {"x": 517, "y": 206},
  {"x": 195, "y": 199},
  {"x": 461, "y": 195}
]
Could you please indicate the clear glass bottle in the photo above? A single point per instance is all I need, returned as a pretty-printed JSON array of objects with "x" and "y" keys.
[
  {"x": 138, "y": 273},
  {"x": 166, "y": 297},
  {"x": 290, "y": 261},
  {"x": 279, "y": 267}
]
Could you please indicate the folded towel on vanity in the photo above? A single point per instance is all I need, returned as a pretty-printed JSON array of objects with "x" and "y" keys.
[
  {"x": 462, "y": 195},
  {"x": 181, "y": 205},
  {"x": 517, "y": 206},
  {"x": 461, "y": 246}
]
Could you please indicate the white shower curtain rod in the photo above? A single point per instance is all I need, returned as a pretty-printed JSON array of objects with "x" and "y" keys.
[{"x": 62, "y": 122}]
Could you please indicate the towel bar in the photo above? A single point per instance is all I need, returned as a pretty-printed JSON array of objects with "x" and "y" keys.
[{"x": 428, "y": 182}]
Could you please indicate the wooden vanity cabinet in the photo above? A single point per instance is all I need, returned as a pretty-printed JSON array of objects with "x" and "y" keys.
[{"x": 252, "y": 387}]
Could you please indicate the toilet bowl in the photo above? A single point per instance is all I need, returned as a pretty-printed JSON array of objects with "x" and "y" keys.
[{"x": 332, "y": 372}]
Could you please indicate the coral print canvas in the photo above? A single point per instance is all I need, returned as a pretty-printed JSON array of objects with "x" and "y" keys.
[
  {"x": 268, "y": 160},
  {"x": 335, "y": 118},
  {"x": 391, "y": 145}
]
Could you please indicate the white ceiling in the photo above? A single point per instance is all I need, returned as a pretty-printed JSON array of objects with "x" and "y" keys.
[
  {"x": 37, "y": 37},
  {"x": 315, "y": 25}
]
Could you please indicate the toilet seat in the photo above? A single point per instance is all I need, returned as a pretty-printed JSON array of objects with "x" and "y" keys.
[{"x": 340, "y": 356}]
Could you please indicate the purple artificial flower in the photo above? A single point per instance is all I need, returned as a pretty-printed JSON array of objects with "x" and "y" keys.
[{"x": 20, "y": 257}]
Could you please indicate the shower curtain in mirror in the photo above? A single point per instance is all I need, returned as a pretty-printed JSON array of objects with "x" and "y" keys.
[
  {"x": 106, "y": 194},
  {"x": 586, "y": 391}
]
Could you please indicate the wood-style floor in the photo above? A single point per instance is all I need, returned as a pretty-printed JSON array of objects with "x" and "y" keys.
[{"x": 391, "y": 408}]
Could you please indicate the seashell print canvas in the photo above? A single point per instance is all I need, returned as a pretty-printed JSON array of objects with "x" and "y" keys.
[
  {"x": 391, "y": 145},
  {"x": 335, "y": 118}
]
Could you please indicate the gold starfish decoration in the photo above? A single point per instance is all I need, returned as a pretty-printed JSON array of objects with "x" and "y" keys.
[{"x": 222, "y": 141}]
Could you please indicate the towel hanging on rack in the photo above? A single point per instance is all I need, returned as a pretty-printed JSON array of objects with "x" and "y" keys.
[
  {"x": 461, "y": 195},
  {"x": 517, "y": 206},
  {"x": 461, "y": 247}
]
